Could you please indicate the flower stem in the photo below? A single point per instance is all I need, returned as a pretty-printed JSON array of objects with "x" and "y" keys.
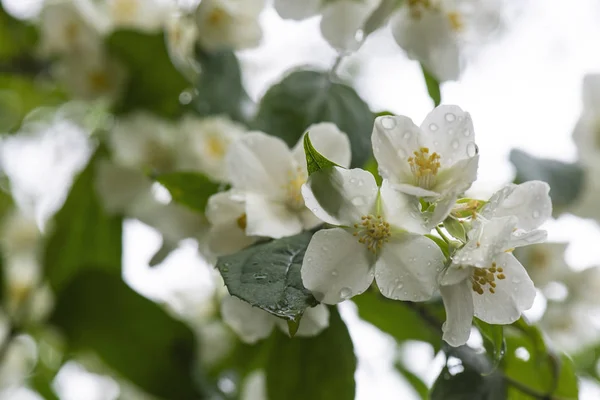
[{"x": 441, "y": 233}]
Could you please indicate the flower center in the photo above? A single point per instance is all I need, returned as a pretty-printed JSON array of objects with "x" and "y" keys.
[
  {"x": 242, "y": 221},
  {"x": 418, "y": 6},
  {"x": 538, "y": 259},
  {"x": 424, "y": 167},
  {"x": 99, "y": 81},
  {"x": 372, "y": 231},
  {"x": 456, "y": 21},
  {"x": 71, "y": 31},
  {"x": 217, "y": 16},
  {"x": 483, "y": 277},
  {"x": 296, "y": 178},
  {"x": 215, "y": 147},
  {"x": 125, "y": 10}
]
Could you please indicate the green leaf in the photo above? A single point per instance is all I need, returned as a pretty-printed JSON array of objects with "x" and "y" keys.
[
  {"x": 17, "y": 38},
  {"x": 472, "y": 381},
  {"x": 416, "y": 382},
  {"x": 191, "y": 189},
  {"x": 154, "y": 83},
  {"x": 267, "y": 275},
  {"x": 407, "y": 322},
  {"x": 98, "y": 312},
  {"x": 373, "y": 168},
  {"x": 456, "y": 229},
  {"x": 83, "y": 235},
  {"x": 441, "y": 244},
  {"x": 433, "y": 86},
  {"x": 565, "y": 180},
  {"x": 316, "y": 368},
  {"x": 494, "y": 338},
  {"x": 315, "y": 160},
  {"x": 307, "y": 97},
  {"x": 220, "y": 88}
]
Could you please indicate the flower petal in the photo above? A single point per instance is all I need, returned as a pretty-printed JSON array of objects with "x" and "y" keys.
[
  {"x": 340, "y": 196},
  {"x": 458, "y": 302},
  {"x": 529, "y": 202},
  {"x": 227, "y": 216},
  {"x": 341, "y": 21},
  {"x": 328, "y": 140},
  {"x": 448, "y": 131},
  {"x": 394, "y": 139},
  {"x": 591, "y": 91},
  {"x": 298, "y": 10},
  {"x": 512, "y": 295},
  {"x": 222, "y": 207},
  {"x": 455, "y": 273},
  {"x": 459, "y": 177},
  {"x": 408, "y": 266},
  {"x": 336, "y": 266},
  {"x": 401, "y": 210},
  {"x": 260, "y": 163},
  {"x": 487, "y": 239},
  {"x": 267, "y": 217},
  {"x": 313, "y": 322},
  {"x": 250, "y": 323}
]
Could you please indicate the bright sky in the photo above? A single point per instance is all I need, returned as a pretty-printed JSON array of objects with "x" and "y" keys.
[{"x": 523, "y": 91}]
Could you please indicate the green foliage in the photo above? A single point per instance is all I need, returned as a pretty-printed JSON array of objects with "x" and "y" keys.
[
  {"x": 17, "y": 38},
  {"x": 192, "y": 189},
  {"x": 130, "y": 333},
  {"x": 372, "y": 167},
  {"x": 154, "y": 83},
  {"x": 456, "y": 229},
  {"x": 83, "y": 235},
  {"x": 219, "y": 86},
  {"x": 306, "y": 97},
  {"x": 316, "y": 368},
  {"x": 267, "y": 275},
  {"x": 565, "y": 180},
  {"x": 493, "y": 336},
  {"x": 407, "y": 322},
  {"x": 414, "y": 381},
  {"x": 315, "y": 160},
  {"x": 433, "y": 86}
]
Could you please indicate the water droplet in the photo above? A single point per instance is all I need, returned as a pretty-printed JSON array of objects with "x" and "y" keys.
[
  {"x": 225, "y": 269},
  {"x": 450, "y": 131},
  {"x": 436, "y": 143},
  {"x": 226, "y": 264},
  {"x": 185, "y": 97},
  {"x": 388, "y": 122},
  {"x": 450, "y": 117},
  {"x": 467, "y": 132},
  {"x": 400, "y": 286},
  {"x": 361, "y": 182},
  {"x": 259, "y": 276},
  {"x": 401, "y": 153},
  {"x": 429, "y": 263},
  {"x": 345, "y": 292},
  {"x": 516, "y": 280},
  {"x": 455, "y": 144},
  {"x": 412, "y": 259},
  {"x": 308, "y": 259},
  {"x": 325, "y": 248},
  {"x": 535, "y": 214},
  {"x": 406, "y": 135},
  {"x": 352, "y": 180},
  {"x": 472, "y": 149},
  {"x": 358, "y": 201},
  {"x": 334, "y": 273},
  {"x": 433, "y": 127},
  {"x": 397, "y": 281},
  {"x": 359, "y": 35}
]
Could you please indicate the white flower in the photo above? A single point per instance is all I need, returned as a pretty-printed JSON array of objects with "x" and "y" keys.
[
  {"x": 120, "y": 188},
  {"x": 252, "y": 324},
  {"x": 19, "y": 234},
  {"x": 587, "y": 131},
  {"x": 206, "y": 142},
  {"x": 146, "y": 15},
  {"x": 269, "y": 176},
  {"x": 571, "y": 326},
  {"x": 545, "y": 262},
  {"x": 64, "y": 30},
  {"x": 378, "y": 235},
  {"x": 141, "y": 140},
  {"x": 342, "y": 20},
  {"x": 485, "y": 279},
  {"x": 435, "y": 32},
  {"x": 181, "y": 35},
  {"x": 437, "y": 161},
  {"x": 229, "y": 24},
  {"x": 226, "y": 212},
  {"x": 92, "y": 76}
]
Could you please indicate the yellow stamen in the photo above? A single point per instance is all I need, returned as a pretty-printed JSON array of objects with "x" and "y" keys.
[
  {"x": 424, "y": 167},
  {"x": 242, "y": 221},
  {"x": 373, "y": 232}
]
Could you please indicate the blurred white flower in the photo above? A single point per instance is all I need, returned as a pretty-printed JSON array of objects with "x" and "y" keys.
[
  {"x": 181, "y": 35},
  {"x": 269, "y": 176},
  {"x": 435, "y": 32},
  {"x": 144, "y": 141},
  {"x": 252, "y": 324},
  {"x": 485, "y": 279},
  {"x": 215, "y": 341},
  {"x": 19, "y": 234},
  {"x": 92, "y": 76},
  {"x": 120, "y": 188},
  {"x": 379, "y": 235},
  {"x": 437, "y": 161},
  {"x": 206, "y": 142},
  {"x": 342, "y": 21},
  {"x": 571, "y": 326},
  {"x": 229, "y": 24},
  {"x": 18, "y": 362},
  {"x": 254, "y": 386},
  {"x": 65, "y": 30},
  {"x": 545, "y": 262},
  {"x": 226, "y": 212},
  {"x": 145, "y": 15},
  {"x": 587, "y": 131}
]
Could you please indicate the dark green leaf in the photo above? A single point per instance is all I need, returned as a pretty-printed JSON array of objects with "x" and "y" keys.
[
  {"x": 433, "y": 87},
  {"x": 154, "y": 83},
  {"x": 17, "y": 38},
  {"x": 414, "y": 381},
  {"x": 494, "y": 339},
  {"x": 407, "y": 322},
  {"x": 316, "y": 368},
  {"x": 307, "y": 97},
  {"x": 373, "y": 168},
  {"x": 267, "y": 275},
  {"x": 565, "y": 180},
  {"x": 191, "y": 189},
  {"x": 315, "y": 160},
  {"x": 83, "y": 235},
  {"x": 441, "y": 244},
  {"x": 220, "y": 88},
  {"x": 456, "y": 229},
  {"x": 98, "y": 312}
]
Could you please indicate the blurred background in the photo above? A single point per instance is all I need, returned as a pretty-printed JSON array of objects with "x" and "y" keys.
[{"x": 523, "y": 86}]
